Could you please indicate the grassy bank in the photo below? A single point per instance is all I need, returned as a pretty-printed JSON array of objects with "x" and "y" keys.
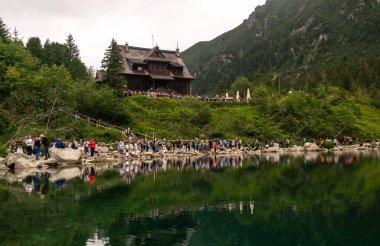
[{"x": 187, "y": 119}]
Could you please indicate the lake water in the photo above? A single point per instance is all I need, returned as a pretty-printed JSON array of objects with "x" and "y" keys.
[{"x": 298, "y": 199}]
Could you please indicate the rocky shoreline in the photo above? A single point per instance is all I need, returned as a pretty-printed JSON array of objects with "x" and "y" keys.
[{"x": 69, "y": 157}]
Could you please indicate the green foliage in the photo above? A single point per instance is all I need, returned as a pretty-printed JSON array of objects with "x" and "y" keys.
[
  {"x": 202, "y": 117},
  {"x": 35, "y": 47},
  {"x": 112, "y": 63},
  {"x": 56, "y": 54},
  {"x": 240, "y": 84},
  {"x": 72, "y": 50},
  {"x": 4, "y": 31},
  {"x": 78, "y": 70},
  {"x": 101, "y": 103}
]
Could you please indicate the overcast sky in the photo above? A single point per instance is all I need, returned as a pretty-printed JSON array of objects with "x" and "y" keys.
[{"x": 93, "y": 23}]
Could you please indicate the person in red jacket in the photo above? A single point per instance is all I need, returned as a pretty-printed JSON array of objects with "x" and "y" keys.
[{"x": 92, "y": 147}]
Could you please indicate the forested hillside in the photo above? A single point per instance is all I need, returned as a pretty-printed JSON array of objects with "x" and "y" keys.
[{"x": 291, "y": 40}]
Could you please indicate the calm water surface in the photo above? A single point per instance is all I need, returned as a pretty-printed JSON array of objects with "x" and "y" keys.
[{"x": 299, "y": 199}]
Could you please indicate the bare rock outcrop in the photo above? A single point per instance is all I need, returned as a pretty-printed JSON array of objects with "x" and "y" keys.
[
  {"x": 67, "y": 155},
  {"x": 311, "y": 147}
]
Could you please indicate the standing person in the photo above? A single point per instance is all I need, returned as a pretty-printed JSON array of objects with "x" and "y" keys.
[
  {"x": 37, "y": 147},
  {"x": 121, "y": 147},
  {"x": 215, "y": 147},
  {"x": 13, "y": 146},
  {"x": 86, "y": 147},
  {"x": 45, "y": 142},
  {"x": 92, "y": 145},
  {"x": 29, "y": 144}
]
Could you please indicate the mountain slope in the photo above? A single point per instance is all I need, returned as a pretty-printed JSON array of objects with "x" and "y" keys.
[{"x": 287, "y": 36}]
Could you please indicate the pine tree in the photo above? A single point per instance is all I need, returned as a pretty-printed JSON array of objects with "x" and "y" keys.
[
  {"x": 35, "y": 47},
  {"x": 72, "y": 48},
  {"x": 4, "y": 31},
  {"x": 112, "y": 64},
  {"x": 78, "y": 69},
  {"x": 15, "y": 35},
  {"x": 16, "y": 38},
  {"x": 58, "y": 54},
  {"x": 47, "y": 52}
]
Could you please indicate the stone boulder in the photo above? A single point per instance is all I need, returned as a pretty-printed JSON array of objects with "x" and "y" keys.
[
  {"x": 311, "y": 147},
  {"x": 51, "y": 162},
  {"x": 272, "y": 149},
  {"x": 2, "y": 164},
  {"x": 20, "y": 161},
  {"x": 67, "y": 155},
  {"x": 307, "y": 145},
  {"x": 296, "y": 148},
  {"x": 102, "y": 149}
]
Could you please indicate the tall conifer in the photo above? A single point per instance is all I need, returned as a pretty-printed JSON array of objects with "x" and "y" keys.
[
  {"x": 4, "y": 31},
  {"x": 72, "y": 48},
  {"x": 112, "y": 64}
]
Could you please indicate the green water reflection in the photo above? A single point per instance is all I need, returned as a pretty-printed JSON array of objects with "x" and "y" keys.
[{"x": 258, "y": 200}]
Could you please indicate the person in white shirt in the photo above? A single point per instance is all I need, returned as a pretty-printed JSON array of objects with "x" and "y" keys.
[
  {"x": 29, "y": 145},
  {"x": 121, "y": 147}
]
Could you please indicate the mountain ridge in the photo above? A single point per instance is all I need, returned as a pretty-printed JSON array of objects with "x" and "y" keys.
[{"x": 291, "y": 37}]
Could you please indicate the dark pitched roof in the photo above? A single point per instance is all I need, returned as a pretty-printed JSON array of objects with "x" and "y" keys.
[{"x": 140, "y": 56}]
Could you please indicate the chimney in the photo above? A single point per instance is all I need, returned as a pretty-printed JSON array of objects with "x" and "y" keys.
[
  {"x": 126, "y": 47},
  {"x": 177, "y": 53}
]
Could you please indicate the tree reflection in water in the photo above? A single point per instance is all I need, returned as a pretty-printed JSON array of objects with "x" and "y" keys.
[{"x": 271, "y": 199}]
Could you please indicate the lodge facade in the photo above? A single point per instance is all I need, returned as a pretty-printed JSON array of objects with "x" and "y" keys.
[{"x": 146, "y": 69}]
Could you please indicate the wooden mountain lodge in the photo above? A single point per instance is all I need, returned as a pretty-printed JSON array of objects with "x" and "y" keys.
[{"x": 146, "y": 69}]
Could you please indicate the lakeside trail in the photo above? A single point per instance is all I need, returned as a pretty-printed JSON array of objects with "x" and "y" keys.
[
  {"x": 106, "y": 154},
  {"x": 112, "y": 154}
]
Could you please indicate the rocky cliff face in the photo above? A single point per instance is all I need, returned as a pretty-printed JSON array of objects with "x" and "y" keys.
[{"x": 287, "y": 36}]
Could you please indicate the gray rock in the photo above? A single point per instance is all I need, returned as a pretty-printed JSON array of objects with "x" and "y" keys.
[
  {"x": 101, "y": 149},
  {"x": 67, "y": 155},
  {"x": 20, "y": 160},
  {"x": 311, "y": 147},
  {"x": 307, "y": 145},
  {"x": 51, "y": 162},
  {"x": 272, "y": 149},
  {"x": 296, "y": 148}
]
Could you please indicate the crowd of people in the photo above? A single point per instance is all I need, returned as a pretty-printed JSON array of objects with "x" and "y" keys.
[
  {"x": 169, "y": 93},
  {"x": 133, "y": 144},
  {"x": 38, "y": 146},
  {"x": 155, "y": 92}
]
